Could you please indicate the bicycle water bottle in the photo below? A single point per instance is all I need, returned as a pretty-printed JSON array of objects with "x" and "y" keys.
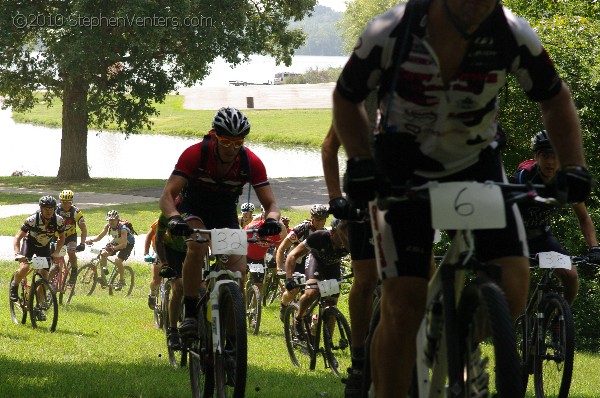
[{"x": 433, "y": 330}]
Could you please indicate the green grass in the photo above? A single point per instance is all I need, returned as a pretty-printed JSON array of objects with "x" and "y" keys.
[
  {"x": 108, "y": 347},
  {"x": 11, "y": 199},
  {"x": 297, "y": 126},
  {"x": 54, "y": 186}
]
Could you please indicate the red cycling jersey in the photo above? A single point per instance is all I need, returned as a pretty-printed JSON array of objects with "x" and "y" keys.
[{"x": 257, "y": 251}]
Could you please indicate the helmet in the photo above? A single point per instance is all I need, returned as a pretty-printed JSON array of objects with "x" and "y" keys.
[
  {"x": 47, "y": 201},
  {"x": 285, "y": 219},
  {"x": 541, "y": 142},
  {"x": 319, "y": 211},
  {"x": 231, "y": 122},
  {"x": 66, "y": 195},
  {"x": 335, "y": 223},
  {"x": 112, "y": 214},
  {"x": 247, "y": 207}
]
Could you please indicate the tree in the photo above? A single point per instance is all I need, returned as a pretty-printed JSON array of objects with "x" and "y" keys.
[{"x": 110, "y": 60}]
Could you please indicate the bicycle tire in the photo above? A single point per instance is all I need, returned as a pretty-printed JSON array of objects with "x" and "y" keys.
[
  {"x": 44, "y": 304},
  {"x": 202, "y": 379},
  {"x": 300, "y": 351},
  {"x": 87, "y": 277},
  {"x": 19, "y": 309},
  {"x": 164, "y": 310},
  {"x": 253, "y": 307},
  {"x": 231, "y": 364},
  {"x": 157, "y": 311},
  {"x": 557, "y": 349},
  {"x": 483, "y": 300},
  {"x": 128, "y": 277},
  {"x": 523, "y": 335},
  {"x": 272, "y": 289},
  {"x": 375, "y": 316},
  {"x": 67, "y": 288},
  {"x": 337, "y": 342}
]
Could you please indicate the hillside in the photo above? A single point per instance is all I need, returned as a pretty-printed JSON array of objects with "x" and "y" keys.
[{"x": 323, "y": 35}]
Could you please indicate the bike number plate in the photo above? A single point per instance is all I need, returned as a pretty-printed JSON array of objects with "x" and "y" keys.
[
  {"x": 257, "y": 268},
  {"x": 229, "y": 241},
  {"x": 467, "y": 206},
  {"x": 328, "y": 287},
  {"x": 39, "y": 262},
  {"x": 554, "y": 260}
]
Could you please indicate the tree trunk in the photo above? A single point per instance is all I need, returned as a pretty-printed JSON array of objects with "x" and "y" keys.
[{"x": 73, "y": 145}]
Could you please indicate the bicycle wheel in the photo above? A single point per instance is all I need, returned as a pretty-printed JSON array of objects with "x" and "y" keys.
[
  {"x": 523, "y": 332},
  {"x": 87, "y": 277},
  {"x": 159, "y": 306},
  {"x": 253, "y": 307},
  {"x": 299, "y": 347},
  {"x": 164, "y": 310},
  {"x": 272, "y": 289},
  {"x": 18, "y": 309},
  {"x": 202, "y": 376},
  {"x": 232, "y": 362},
  {"x": 69, "y": 287},
  {"x": 118, "y": 288},
  {"x": 337, "y": 341},
  {"x": 43, "y": 306},
  {"x": 553, "y": 366},
  {"x": 482, "y": 311}
]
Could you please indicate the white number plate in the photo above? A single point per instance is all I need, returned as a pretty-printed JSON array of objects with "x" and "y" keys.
[
  {"x": 229, "y": 241},
  {"x": 329, "y": 287},
  {"x": 39, "y": 262},
  {"x": 554, "y": 260},
  {"x": 467, "y": 205},
  {"x": 256, "y": 267}
]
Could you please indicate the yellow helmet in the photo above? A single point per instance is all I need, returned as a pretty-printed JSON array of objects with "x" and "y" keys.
[{"x": 66, "y": 195}]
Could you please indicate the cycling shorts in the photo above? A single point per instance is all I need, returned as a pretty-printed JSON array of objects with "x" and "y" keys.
[
  {"x": 175, "y": 260},
  {"x": 212, "y": 217},
  {"x": 360, "y": 236},
  {"x": 314, "y": 270},
  {"x": 545, "y": 243},
  {"x": 71, "y": 238},
  {"x": 408, "y": 252},
  {"x": 124, "y": 254},
  {"x": 31, "y": 247}
]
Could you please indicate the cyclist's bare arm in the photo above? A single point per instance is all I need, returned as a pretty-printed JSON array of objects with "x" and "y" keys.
[
  {"x": 174, "y": 186},
  {"x": 100, "y": 236},
  {"x": 59, "y": 244},
  {"x": 121, "y": 240},
  {"x": 352, "y": 126},
  {"x": 148, "y": 241},
  {"x": 280, "y": 253},
  {"x": 290, "y": 262},
  {"x": 17, "y": 242},
  {"x": 331, "y": 168},
  {"x": 267, "y": 200},
  {"x": 586, "y": 225},
  {"x": 83, "y": 229}
]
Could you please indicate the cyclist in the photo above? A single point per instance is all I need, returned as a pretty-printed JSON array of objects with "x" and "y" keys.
[
  {"x": 246, "y": 215},
  {"x": 156, "y": 266},
  {"x": 122, "y": 244},
  {"x": 438, "y": 66},
  {"x": 73, "y": 218},
  {"x": 323, "y": 251},
  {"x": 171, "y": 251},
  {"x": 38, "y": 231},
  {"x": 318, "y": 217},
  {"x": 285, "y": 220},
  {"x": 537, "y": 218},
  {"x": 211, "y": 175},
  {"x": 360, "y": 237}
]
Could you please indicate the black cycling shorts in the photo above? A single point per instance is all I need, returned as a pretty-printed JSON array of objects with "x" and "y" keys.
[
  {"x": 175, "y": 260},
  {"x": 31, "y": 247},
  {"x": 360, "y": 237},
  {"x": 124, "y": 254},
  {"x": 545, "y": 243},
  {"x": 314, "y": 270}
]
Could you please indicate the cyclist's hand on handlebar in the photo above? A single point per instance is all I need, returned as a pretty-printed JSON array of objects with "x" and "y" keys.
[
  {"x": 20, "y": 258},
  {"x": 340, "y": 208},
  {"x": 269, "y": 227},
  {"x": 572, "y": 184},
  {"x": 177, "y": 226},
  {"x": 360, "y": 180},
  {"x": 109, "y": 248},
  {"x": 594, "y": 255},
  {"x": 290, "y": 284},
  {"x": 80, "y": 247}
]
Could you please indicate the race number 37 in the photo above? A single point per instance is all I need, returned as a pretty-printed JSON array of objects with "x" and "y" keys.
[{"x": 229, "y": 241}]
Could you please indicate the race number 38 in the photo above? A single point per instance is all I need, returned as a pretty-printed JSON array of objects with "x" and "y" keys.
[{"x": 229, "y": 241}]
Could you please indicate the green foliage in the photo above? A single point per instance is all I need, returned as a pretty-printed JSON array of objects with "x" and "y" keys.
[
  {"x": 322, "y": 33},
  {"x": 313, "y": 76}
]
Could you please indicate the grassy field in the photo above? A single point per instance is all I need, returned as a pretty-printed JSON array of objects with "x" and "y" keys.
[{"x": 297, "y": 126}]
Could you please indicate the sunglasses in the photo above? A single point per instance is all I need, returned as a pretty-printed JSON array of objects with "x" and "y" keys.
[{"x": 226, "y": 142}]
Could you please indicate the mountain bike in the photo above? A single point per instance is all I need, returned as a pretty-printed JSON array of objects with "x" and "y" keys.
[
  {"x": 60, "y": 275},
  {"x": 219, "y": 357},
  {"x": 90, "y": 275},
  {"x": 272, "y": 283},
  {"x": 253, "y": 297},
  {"x": 322, "y": 319},
  {"x": 37, "y": 298},
  {"x": 545, "y": 331},
  {"x": 464, "y": 301}
]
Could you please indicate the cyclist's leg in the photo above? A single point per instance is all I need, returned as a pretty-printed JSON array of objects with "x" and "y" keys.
[
  {"x": 175, "y": 260},
  {"x": 71, "y": 243},
  {"x": 154, "y": 284}
]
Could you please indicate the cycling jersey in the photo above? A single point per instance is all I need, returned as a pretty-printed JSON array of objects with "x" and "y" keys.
[
  {"x": 175, "y": 243},
  {"x": 299, "y": 234},
  {"x": 40, "y": 233},
  {"x": 257, "y": 250},
  {"x": 73, "y": 217},
  {"x": 324, "y": 261},
  {"x": 439, "y": 128},
  {"x": 198, "y": 164},
  {"x": 116, "y": 233}
]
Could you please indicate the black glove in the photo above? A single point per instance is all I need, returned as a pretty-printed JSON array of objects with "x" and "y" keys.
[
  {"x": 80, "y": 247},
  {"x": 594, "y": 255},
  {"x": 573, "y": 184},
  {"x": 166, "y": 271},
  {"x": 290, "y": 284},
  {"x": 340, "y": 208},
  {"x": 177, "y": 226},
  {"x": 360, "y": 181},
  {"x": 269, "y": 227}
]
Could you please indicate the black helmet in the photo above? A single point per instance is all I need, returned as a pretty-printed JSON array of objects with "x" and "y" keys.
[
  {"x": 541, "y": 142},
  {"x": 230, "y": 122},
  {"x": 321, "y": 211},
  {"x": 47, "y": 201}
]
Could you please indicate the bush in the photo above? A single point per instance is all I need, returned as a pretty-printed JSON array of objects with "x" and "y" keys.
[{"x": 314, "y": 76}]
